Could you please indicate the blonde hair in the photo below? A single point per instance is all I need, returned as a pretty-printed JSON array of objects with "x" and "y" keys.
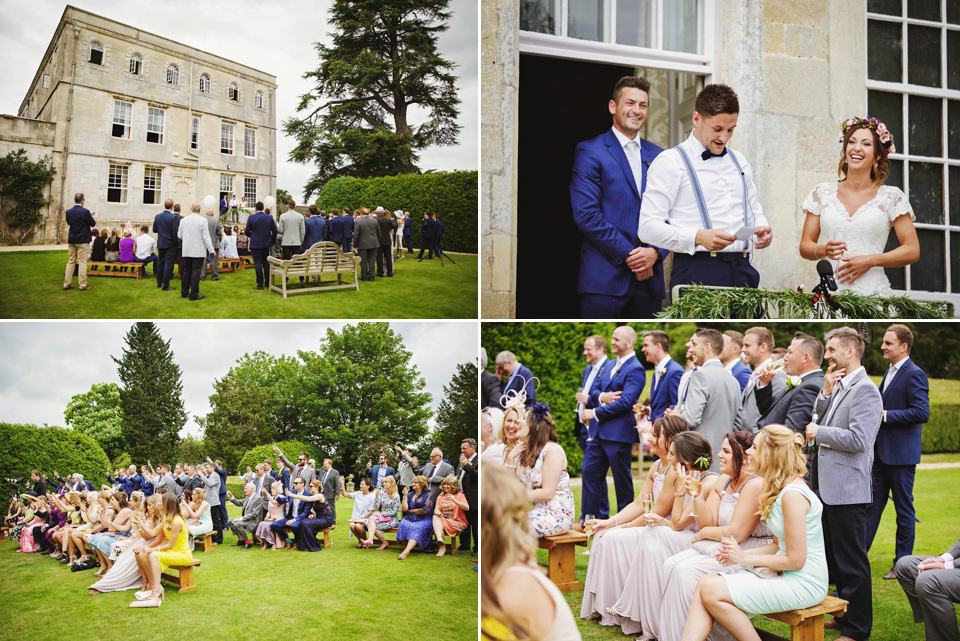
[
  {"x": 505, "y": 540},
  {"x": 154, "y": 500},
  {"x": 452, "y": 481},
  {"x": 501, "y": 437},
  {"x": 393, "y": 484},
  {"x": 783, "y": 461},
  {"x": 198, "y": 495},
  {"x": 422, "y": 481},
  {"x": 137, "y": 502}
]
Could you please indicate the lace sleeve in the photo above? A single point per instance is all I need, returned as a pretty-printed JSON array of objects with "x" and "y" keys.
[
  {"x": 898, "y": 205},
  {"x": 812, "y": 202}
]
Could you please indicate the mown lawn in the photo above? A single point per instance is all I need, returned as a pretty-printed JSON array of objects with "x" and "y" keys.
[
  {"x": 935, "y": 500},
  {"x": 341, "y": 593},
  {"x": 31, "y": 286}
]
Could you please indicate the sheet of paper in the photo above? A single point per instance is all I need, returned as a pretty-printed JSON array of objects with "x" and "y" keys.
[{"x": 745, "y": 232}]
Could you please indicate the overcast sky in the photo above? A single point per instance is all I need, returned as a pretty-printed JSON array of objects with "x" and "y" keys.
[
  {"x": 47, "y": 363},
  {"x": 276, "y": 37}
]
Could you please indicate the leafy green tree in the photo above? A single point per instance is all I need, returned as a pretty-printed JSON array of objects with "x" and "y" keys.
[
  {"x": 383, "y": 63},
  {"x": 457, "y": 414},
  {"x": 98, "y": 414},
  {"x": 192, "y": 450},
  {"x": 151, "y": 395},
  {"x": 282, "y": 195},
  {"x": 22, "y": 185}
]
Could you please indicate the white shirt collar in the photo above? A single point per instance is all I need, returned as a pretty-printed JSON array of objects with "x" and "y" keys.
[
  {"x": 694, "y": 145},
  {"x": 622, "y": 139},
  {"x": 662, "y": 365},
  {"x": 896, "y": 367},
  {"x": 846, "y": 380},
  {"x": 732, "y": 364},
  {"x": 624, "y": 359}
]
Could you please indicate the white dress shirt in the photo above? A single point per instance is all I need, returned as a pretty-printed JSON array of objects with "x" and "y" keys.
[
  {"x": 145, "y": 245},
  {"x": 660, "y": 369},
  {"x": 594, "y": 371},
  {"x": 669, "y": 197},
  {"x": 634, "y": 157},
  {"x": 887, "y": 379}
]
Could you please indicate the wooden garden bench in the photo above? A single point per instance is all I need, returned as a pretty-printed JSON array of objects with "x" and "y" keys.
[
  {"x": 207, "y": 541},
  {"x": 121, "y": 270},
  {"x": 3, "y": 533},
  {"x": 228, "y": 265},
  {"x": 184, "y": 576},
  {"x": 324, "y": 259},
  {"x": 805, "y": 624},
  {"x": 562, "y": 560},
  {"x": 247, "y": 260}
]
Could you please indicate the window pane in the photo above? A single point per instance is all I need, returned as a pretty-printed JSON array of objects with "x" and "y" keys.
[
  {"x": 895, "y": 177},
  {"x": 635, "y": 22},
  {"x": 925, "y": 130},
  {"x": 953, "y": 59},
  {"x": 928, "y": 273},
  {"x": 953, "y": 128},
  {"x": 884, "y": 51},
  {"x": 585, "y": 19},
  {"x": 955, "y": 262},
  {"x": 538, "y": 16},
  {"x": 680, "y": 26},
  {"x": 924, "y": 55},
  {"x": 924, "y": 9},
  {"x": 926, "y": 191},
  {"x": 897, "y": 275},
  {"x": 955, "y": 201},
  {"x": 953, "y": 12},
  {"x": 889, "y": 7},
  {"x": 888, "y": 108}
]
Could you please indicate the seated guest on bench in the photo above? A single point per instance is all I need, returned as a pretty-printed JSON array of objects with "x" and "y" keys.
[
  {"x": 146, "y": 253},
  {"x": 793, "y": 512},
  {"x": 246, "y": 524},
  {"x": 243, "y": 241},
  {"x": 448, "y": 515},
  {"x": 198, "y": 517},
  {"x": 228, "y": 244},
  {"x": 363, "y": 501},
  {"x": 932, "y": 586},
  {"x": 274, "y": 514},
  {"x": 517, "y": 600},
  {"x": 112, "y": 254},
  {"x": 174, "y": 550},
  {"x": 296, "y": 509},
  {"x": 416, "y": 527},
  {"x": 127, "y": 243},
  {"x": 120, "y": 526},
  {"x": 125, "y": 574},
  {"x": 99, "y": 250},
  {"x": 306, "y": 531},
  {"x": 385, "y": 515}
]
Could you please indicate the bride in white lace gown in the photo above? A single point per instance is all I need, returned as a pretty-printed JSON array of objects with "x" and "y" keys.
[{"x": 849, "y": 221}]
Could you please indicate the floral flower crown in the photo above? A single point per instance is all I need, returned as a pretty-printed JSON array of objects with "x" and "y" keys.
[{"x": 886, "y": 138}]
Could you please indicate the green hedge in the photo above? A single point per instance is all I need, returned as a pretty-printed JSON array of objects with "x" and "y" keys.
[
  {"x": 26, "y": 447},
  {"x": 940, "y": 434},
  {"x": 453, "y": 195},
  {"x": 290, "y": 449}
]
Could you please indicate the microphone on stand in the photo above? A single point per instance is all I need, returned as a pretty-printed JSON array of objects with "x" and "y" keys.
[{"x": 825, "y": 270}]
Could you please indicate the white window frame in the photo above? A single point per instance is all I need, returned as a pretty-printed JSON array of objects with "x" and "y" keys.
[
  {"x": 249, "y": 142},
  {"x": 204, "y": 80},
  {"x": 152, "y": 181},
  {"x": 96, "y": 46},
  {"x": 195, "y": 133},
  {"x": 136, "y": 64},
  {"x": 251, "y": 199},
  {"x": 127, "y": 124},
  {"x": 226, "y": 138},
  {"x": 258, "y": 100},
  {"x": 905, "y": 89},
  {"x": 611, "y": 52},
  {"x": 123, "y": 184},
  {"x": 233, "y": 88},
  {"x": 46, "y": 81},
  {"x": 153, "y": 127},
  {"x": 229, "y": 189},
  {"x": 173, "y": 75}
]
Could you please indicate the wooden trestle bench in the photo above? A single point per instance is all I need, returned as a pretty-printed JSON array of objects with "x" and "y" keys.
[
  {"x": 562, "y": 560},
  {"x": 323, "y": 259},
  {"x": 805, "y": 624}
]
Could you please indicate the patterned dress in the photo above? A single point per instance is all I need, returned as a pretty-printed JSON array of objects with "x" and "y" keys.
[
  {"x": 418, "y": 527},
  {"x": 555, "y": 516},
  {"x": 388, "y": 506}
]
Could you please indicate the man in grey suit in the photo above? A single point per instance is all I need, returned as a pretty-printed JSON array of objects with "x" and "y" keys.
[
  {"x": 792, "y": 407},
  {"x": 245, "y": 526},
  {"x": 301, "y": 469},
  {"x": 211, "y": 483},
  {"x": 292, "y": 230},
  {"x": 195, "y": 234},
  {"x": 850, "y": 408},
  {"x": 330, "y": 485},
  {"x": 216, "y": 235},
  {"x": 713, "y": 394},
  {"x": 164, "y": 481},
  {"x": 932, "y": 585},
  {"x": 366, "y": 240},
  {"x": 436, "y": 470},
  {"x": 757, "y": 348}
]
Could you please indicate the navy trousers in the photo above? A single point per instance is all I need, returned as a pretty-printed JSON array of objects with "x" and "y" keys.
[
  {"x": 604, "y": 507},
  {"x": 845, "y": 540},
  {"x": 635, "y": 303},
  {"x": 600, "y": 456},
  {"x": 164, "y": 267},
  {"x": 730, "y": 269},
  {"x": 897, "y": 479}
]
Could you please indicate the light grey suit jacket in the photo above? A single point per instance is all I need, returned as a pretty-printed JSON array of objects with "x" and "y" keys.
[
  {"x": 331, "y": 486},
  {"x": 850, "y": 420},
  {"x": 712, "y": 402},
  {"x": 211, "y": 485},
  {"x": 308, "y": 473},
  {"x": 749, "y": 414},
  {"x": 291, "y": 228},
  {"x": 443, "y": 471},
  {"x": 252, "y": 511},
  {"x": 215, "y": 229},
  {"x": 195, "y": 234}
]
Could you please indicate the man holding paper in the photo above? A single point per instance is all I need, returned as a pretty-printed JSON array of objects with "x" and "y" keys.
[{"x": 701, "y": 202}]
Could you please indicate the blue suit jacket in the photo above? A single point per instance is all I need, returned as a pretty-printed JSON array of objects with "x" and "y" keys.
[
  {"x": 615, "y": 421},
  {"x": 664, "y": 394},
  {"x": 907, "y": 403},
  {"x": 577, "y": 425},
  {"x": 313, "y": 233},
  {"x": 80, "y": 221},
  {"x": 375, "y": 470},
  {"x": 606, "y": 208},
  {"x": 262, "y": 230},
  {"x": 303, "y": 510},
  {"x": 522, "y": 380},
  {"x": 347, "y": 222},
  {"x": 407, "y": 226},
  {"x": 336, "y": 229},
  {"x": 742, "y": 373},
  {"x": 165, "y": 225}
]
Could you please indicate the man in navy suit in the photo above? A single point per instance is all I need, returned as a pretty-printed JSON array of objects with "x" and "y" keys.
[
  {"x": 619, "y": 275},
  {"x": 408, "y": 232},
  {"x": 223, "y": 204},
  {"x": 666, "y": 374},
  {"x": 313, "y": 228},
  {"x": 165, "y": 226},
  {"x": 906, "y": 406},
  {"x": 518, "y": 377},
  {"x": 426, "y": 237},
  {"x": 380, "y": 471},
  {"x": 336, "y": 230},
  {"x": 347, "y": 222},
  {"x": 595, "y": 351},
  {"x": 614, "y": 432},
  {"x": 730, "y": 357},
  {"x": 262, "y": 231},
  {"x": 295, "y": 510}
]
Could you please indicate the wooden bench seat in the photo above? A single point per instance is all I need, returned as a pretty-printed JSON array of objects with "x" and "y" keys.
[
  {"x": 324, "y": 259},
  {"x": 562, "y": 560},
  {"x": 805, "y": 624},
  {"x": 183, "y": 577},
  {"x": 3, "y": 533},
  {"x": 207, "y": 541},
  {"x": 224, "y": 265},
  {"x": 121, "y": 270}
]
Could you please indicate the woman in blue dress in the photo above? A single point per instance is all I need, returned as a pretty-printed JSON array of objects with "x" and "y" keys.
[
  {"x": 416, "y": 527},
  {"x": 321, "y": 517},
  {"x": 795, "y": 562}
]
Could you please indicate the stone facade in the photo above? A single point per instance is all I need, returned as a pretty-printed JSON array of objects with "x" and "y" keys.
[
  {"x": 798, "y": 68},
  {"x": 134, "y": 106},
  {"x": 36, "y": 138}
]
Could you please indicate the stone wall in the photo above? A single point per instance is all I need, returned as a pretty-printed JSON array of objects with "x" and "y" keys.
[{"x": 36, "y": 137}]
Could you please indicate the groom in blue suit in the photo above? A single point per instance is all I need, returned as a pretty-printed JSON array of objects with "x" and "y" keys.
[
  {"x": 614, "y": 432},
  {"x": 906, "y": 406},
  {"x": 595, "y": 351},
  {"x": 619, "y": 275}
]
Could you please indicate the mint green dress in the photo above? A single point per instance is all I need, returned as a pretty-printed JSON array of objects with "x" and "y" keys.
[{"x": 795, "y": 589}]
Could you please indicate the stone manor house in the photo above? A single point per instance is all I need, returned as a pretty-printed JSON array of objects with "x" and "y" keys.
[{"x": 131, "y": 119}]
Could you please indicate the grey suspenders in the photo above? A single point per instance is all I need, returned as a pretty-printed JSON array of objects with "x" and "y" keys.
[{"x": 698, "y": 191}]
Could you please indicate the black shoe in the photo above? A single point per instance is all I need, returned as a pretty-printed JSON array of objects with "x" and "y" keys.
[
  {"x": 247, "y": 546},
  {"x": 64, "y": 561},
  {"x": 215, "y": 278},
  {"x": 159, "y": 285},
  {"x": 238, "y": 544},
  {"x": 184, "y": 295},
  {"x": 166, "y": 289},
  {"x": 198, "y": 297}
]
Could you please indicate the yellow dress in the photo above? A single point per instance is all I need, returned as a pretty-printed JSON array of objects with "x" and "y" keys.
[{"x": 179, "y": 554}]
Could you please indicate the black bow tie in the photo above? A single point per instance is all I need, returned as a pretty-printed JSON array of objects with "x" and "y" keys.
[{"x": 707, "y": 154}]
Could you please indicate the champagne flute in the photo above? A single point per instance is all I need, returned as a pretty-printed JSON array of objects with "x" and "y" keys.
[
  {"x": 694, "y": 478},
  {"x": 588, "y": 528},
  {"x": 647, "y": 500}
]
